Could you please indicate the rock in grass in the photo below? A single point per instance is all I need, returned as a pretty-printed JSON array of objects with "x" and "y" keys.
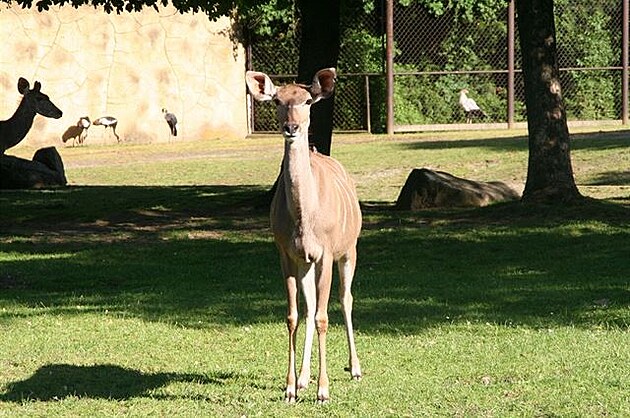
[{"x": 426, "y": 188}]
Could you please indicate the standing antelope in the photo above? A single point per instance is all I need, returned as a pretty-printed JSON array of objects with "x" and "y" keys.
[
  {"x": 14, "y": 129},
  {"x": 315, "y": 219}
]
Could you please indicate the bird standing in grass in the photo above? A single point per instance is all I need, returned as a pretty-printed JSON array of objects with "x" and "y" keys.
[
  {"x": 108, "y": 122},
  {"x": 471, "y": 109},
  {"x": 84, "y": 122},
  {"x": 171, "y": 120}
]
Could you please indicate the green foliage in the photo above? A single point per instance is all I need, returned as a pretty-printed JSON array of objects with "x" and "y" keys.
[
  {"x": 434, "y": 99},
  {"x": 272, "y": 27},
  {"x": 467, "y": 10},
  {"x": 360, "y": 53},
  {"x": 274, "y": 31},
  {"x": 213, "y": 8},
  {"x": 475, "y": 40},
  {"x": 588, "y": 37},
  {"x": 271, "y": 19},
  {"x": 592, "y": 95},
  {"x": 422, "y": 99}
]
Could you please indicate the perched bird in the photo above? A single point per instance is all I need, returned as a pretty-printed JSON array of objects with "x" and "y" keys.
[
  {"x": 108, "y": 122},
  {"x": 471, "y": 109},
  {"x": 171, "y": 120}
]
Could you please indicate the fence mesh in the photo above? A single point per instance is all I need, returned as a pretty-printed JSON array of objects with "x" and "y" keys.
[{"x": 437, "y": 56}]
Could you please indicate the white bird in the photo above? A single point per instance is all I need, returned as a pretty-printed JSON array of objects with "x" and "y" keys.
[
  {"x": 108, "y": 122},
  {"x": 171, "y": 120},
  {"x": 470, "y": 107},
  {"x": 84, "y": 122}
]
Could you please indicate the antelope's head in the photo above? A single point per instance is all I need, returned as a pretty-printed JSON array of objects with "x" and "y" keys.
[
  {"x": 293, "y": 101},
  {"x": 37, "y": 101}
]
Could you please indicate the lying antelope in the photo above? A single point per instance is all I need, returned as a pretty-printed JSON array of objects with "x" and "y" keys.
[{"x": 315, "y": 219}]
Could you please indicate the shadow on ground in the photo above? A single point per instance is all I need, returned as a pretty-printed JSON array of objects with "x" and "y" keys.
[
  {"x": 204, "y": 256},
  {"x": 54, "y": 382},
  {"x": 601, "y": 140}
]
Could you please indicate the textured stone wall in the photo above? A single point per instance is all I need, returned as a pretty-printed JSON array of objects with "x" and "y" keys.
[{"x": 128, "y": 66}]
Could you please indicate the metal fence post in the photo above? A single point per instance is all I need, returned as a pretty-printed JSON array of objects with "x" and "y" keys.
[
  {"x": 368, "y": 115},
  {"x": 389, "y": 65},
  {"x": 510, "y": 65},
  {"x": 624, "y": 61}
]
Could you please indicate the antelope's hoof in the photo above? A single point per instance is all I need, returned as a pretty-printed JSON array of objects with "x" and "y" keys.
[
  {"x": 356, "y": 374},
  {"x": 290, "y": 396},
  {"x": 302, "y": 384},
  {"x": 323, "y": 396}
]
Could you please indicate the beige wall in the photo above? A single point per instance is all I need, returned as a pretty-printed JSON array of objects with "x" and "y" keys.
[{"x": 129, "y": 66}]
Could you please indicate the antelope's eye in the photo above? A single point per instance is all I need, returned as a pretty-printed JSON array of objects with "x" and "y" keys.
[{"x": 308, "y": 102}]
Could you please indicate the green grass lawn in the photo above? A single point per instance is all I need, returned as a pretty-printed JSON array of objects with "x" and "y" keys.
[{"x": 151, "y": 286}]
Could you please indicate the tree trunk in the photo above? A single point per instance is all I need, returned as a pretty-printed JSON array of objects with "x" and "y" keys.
[
  {"x": 319, "y": 48},
  {"x": 549, "y": 174}
]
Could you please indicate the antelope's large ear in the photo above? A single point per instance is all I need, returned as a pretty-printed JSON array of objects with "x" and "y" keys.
[
  {"x": 23, "y": 85},
  {"x": 323, "y": 84},
  {"x": 260, "y": 86}
]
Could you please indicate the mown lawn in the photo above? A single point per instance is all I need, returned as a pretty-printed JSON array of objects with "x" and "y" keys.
[{"x": 151, "y": 286}]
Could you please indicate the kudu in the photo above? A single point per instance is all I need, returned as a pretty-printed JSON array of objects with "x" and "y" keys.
[
  {"x": 315, "y": 219},
  {"x": 14, "y": 129}
]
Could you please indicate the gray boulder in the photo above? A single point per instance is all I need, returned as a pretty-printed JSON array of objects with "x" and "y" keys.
[{"x": 426, "y": 188}]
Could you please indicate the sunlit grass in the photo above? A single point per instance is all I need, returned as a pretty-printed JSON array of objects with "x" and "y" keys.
[{"x": 151, "y": 286}]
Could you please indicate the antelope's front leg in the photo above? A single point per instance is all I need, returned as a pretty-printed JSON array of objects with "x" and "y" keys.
[
  {"x": 292, "y": 325},
  {"x": 307, "y": 283},
  {"x": 324, "y": 281}
]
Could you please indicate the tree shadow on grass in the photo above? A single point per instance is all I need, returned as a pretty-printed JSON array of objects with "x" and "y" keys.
[
  {"x": 59, "y": 381},
  {"x": 202, "y": 258},
  {"x": 590, "y": 140},
  {"x": 122, "y": 205},
  {"x": 539, "y": 266},
  {"x": 612, "y": 178}
]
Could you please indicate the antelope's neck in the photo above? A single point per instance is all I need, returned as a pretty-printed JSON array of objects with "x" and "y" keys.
[
  {"x": 301, "y": 188},
  {"x": 14, "y": 129}
]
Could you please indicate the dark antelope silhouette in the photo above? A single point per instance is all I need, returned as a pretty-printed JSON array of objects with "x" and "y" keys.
[{"x": 14, "y": 129}]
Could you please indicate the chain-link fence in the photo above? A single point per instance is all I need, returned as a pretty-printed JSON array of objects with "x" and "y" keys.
[
  {"x": 360, "y": 70},
  {"x": 435, "y": 57}
]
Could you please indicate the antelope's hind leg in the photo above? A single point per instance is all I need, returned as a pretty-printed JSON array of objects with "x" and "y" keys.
[{"x": 346, "y": 267}]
